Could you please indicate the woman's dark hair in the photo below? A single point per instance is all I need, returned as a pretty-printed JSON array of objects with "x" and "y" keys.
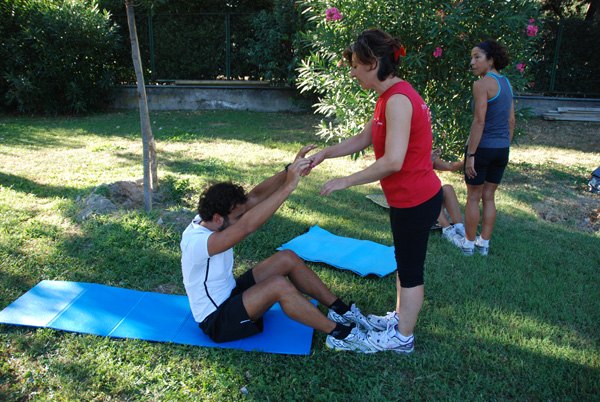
[
  {"x": 498, "y": 52},
  {"x": 375, "y": 45},
  {"x": 220, "y": 198}
]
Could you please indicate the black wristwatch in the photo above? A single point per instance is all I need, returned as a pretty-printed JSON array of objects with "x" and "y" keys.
[
  {"x": 287, "y": 166},
  {"x": 469, "y": 154}
]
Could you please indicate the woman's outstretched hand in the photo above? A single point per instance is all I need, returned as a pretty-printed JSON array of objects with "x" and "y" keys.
[{"x": 340, "y": 183}]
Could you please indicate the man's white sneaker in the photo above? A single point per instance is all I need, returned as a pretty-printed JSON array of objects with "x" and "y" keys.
[
  {"x": 390, "y": 340},
  {"x": 382, "y": 322},
  {"x": 356, "y": 341},
  {"x": 351, "y": 316},
  {"x": 448, "y": 233}
]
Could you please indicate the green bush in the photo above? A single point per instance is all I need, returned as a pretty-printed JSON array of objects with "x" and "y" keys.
[
  {"x": 275, "y": 48},
  {"x": 426, "y": 29},
  {"x": 56, "y": 56}
]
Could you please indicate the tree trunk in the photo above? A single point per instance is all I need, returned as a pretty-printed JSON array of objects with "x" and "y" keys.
[{"x": 148, "y": 146}]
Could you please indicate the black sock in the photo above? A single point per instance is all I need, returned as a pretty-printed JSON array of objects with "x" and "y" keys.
[
  {"x": 339, "y": 307},
  {"x": 341, "y": 331}
]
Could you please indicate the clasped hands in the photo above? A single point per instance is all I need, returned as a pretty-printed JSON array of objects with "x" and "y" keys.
[{"x": 306, "y": 164}]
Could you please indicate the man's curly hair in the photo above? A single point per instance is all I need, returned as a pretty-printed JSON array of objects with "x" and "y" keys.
[{"x": 220, "y": 198}]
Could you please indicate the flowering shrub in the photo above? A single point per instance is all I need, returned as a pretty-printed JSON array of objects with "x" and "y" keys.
[
  {"x": 437, "y": 36},
  {"x": 333, "y": 14},
  {"x": 532, "y": 30}
]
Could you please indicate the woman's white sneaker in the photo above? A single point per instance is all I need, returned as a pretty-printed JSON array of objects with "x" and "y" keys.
[
  {"x": 390, "y": 340},
  {"x": 382, "y": 322}
]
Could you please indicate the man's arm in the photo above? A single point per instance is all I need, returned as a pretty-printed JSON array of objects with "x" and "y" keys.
[
  {"x": 270, "y": 185},
  {"x": 255, "y": 217},
  {"x": 442, "y": 165}
]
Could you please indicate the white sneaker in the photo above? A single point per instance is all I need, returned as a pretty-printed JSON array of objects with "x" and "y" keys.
[
  {"x": 382, "y": 322},
  {"x": 390, "y": 340},
  {"x": 460, "y": 230},
  {"x": 448, "y": 233},
  {"x": 483, "y": 250},
  {"x": 459, "y": 242},
  {"x": 356, "y": 341},
  {"x": 351, "y": 316}
]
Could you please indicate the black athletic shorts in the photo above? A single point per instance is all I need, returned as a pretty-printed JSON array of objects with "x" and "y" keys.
[
  {"x": 489, "y": 165},
  {"x": 230, "y": 321}
]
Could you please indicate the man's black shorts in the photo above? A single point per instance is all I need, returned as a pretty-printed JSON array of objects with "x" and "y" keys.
[{"x": 230, "y": 321}]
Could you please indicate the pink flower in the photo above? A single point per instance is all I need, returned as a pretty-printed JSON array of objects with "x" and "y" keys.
[
  {"x": 531, "y": 21},
  {"x": 532, "y": 30},
  {"x": 333, "y": 14},
  {"x": 521, "y": 67},
  {"x": 438, "y": 52}
]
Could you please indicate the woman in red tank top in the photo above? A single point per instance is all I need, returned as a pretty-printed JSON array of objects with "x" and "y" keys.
[{"x": 400, "y": 132}]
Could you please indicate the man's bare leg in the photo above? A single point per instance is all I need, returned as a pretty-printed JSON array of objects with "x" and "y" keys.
[{"x": 272, "y": 286}]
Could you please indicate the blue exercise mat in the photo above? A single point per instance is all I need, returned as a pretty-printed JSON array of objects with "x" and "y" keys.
[
  {"x": 90, "y": 308},
  {"x": 362, "y": 257}
]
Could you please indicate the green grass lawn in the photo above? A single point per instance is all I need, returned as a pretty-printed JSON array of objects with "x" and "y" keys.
[{"x": 521, "y": 324}]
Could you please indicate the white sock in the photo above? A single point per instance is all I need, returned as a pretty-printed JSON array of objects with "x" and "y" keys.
[
  {"x": 404, "y": 338},
  {"x": 468, "y": 243},
  {"x": 459, "y": 226},
  {"x": 482, "y": 242}
]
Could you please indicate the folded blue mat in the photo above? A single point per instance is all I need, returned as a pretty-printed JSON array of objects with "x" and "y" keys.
[
  {"x": 124, "y": 313},
  {"x": 362, "y": 257}
]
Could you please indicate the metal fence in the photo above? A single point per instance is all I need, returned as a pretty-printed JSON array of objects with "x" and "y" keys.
[
  {"x": 203, "y": 46},
  {"x": 212, "y": 46},
  {"x": 569, "y": 57}
]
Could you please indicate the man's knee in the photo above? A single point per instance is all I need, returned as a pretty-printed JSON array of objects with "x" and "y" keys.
[
  {"x": 448, "y": 190},
  {"x": 288, "y": 257},
  {"x": 278, "y": 284}
]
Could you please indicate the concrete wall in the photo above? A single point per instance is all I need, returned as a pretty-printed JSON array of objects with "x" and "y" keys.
[
  {"x": 263, "y": 98},
  {"x": 198, "y": 97},
  {"x": 541, "y": 104}
]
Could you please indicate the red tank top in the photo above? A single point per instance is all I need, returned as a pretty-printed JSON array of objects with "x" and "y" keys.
[{"x": 416, "y": 182}]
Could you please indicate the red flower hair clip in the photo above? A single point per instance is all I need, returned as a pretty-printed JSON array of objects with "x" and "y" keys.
[{"x": 399, "y": 52}]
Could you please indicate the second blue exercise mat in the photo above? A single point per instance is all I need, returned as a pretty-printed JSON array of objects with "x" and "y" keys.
[
  {"x": 124, "y": 313},
  {"x": 362, "y": 257}
]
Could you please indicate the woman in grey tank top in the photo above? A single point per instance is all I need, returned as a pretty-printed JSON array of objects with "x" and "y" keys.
[{"x": 487, "y": 150}]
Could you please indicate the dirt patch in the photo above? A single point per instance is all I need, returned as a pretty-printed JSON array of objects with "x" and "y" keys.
[
  {"x": 575, "y": 135},
  {"x": 561, "y": 171}
]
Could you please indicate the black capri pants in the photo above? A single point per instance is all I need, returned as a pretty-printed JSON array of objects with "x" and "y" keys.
[{"x": 410, "y": 229}]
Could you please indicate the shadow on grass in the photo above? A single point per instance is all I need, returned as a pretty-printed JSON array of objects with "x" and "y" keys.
[
  {"x": 28, "y": 186},
  {"x": 525, "y": 317},
  {"x": 270, "y": 129},
  {"x": 34, "y": 136}
]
